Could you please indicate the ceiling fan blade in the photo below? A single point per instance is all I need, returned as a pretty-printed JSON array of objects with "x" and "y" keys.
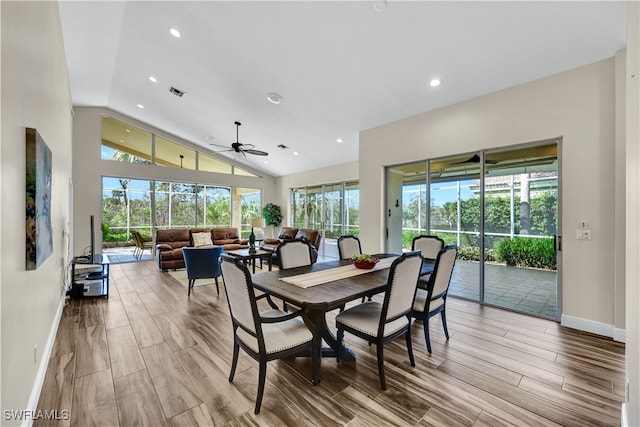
[
  {"x": 475, "y": 159},
  {"x": 256, "y": 152},
  {"x": 221, "y": 146}
]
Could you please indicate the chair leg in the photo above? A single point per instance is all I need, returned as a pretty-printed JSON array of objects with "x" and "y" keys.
[
  {"x": 339, "y": 338},
  {"x": 380, "y": 351},
  {"x": 262, "y": 376},
  {"x": 191, "y": 282},
  {"x": 234, "y": 362},
  {"x": 217, "y": 288},
  {"x": 444, "y": 323},
  {"x": 410, "y": 346},
  {"x": 425, "y": 325}
]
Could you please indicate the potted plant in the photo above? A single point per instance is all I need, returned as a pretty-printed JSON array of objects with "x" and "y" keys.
[{"x": 272, "y": 214}]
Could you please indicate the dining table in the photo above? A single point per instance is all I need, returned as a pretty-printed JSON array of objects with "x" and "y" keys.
[{"x": 339, "y": 285}]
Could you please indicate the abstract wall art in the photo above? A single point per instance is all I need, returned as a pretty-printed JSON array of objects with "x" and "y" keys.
[{"x": 39, "y": 240}]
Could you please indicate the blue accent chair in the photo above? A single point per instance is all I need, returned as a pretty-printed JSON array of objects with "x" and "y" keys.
[{"x": 202, "y": 263}]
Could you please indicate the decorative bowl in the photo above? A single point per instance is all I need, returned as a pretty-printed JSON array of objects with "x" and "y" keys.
[{"x": 365, "y": 264}]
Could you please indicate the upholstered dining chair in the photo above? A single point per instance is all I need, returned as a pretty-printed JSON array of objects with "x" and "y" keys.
[
  {"x": 202, "y": 263},
  {"x": 381, "y": 323},
  {"x": 294, "y": 253},
  {"x": 429, "y": 246},
  {"x": 348, "y": 246},
  {"x": 265, "y": 336},
  {"x": 433, "y": 300}
]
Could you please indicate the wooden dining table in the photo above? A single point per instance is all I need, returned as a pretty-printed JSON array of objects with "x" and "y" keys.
[{"x": 316, "y": 301}]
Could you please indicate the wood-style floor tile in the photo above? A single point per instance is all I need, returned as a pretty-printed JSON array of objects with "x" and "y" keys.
[{"x": 151, "y": 356}]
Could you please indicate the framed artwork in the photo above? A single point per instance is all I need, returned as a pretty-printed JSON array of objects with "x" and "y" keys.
[{"x": 39, "y": 240}]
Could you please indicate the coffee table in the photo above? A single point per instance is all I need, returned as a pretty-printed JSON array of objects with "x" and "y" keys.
[{"x": 246, "y": 257}]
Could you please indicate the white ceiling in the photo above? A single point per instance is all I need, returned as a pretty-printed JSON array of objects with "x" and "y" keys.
[{"x": 341, "y": 67}]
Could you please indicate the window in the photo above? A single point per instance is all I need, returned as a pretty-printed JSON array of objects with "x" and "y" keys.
[
  {"x": 124, "y": 143},
  {"x": 209, "y": 164},
  {"x": 174, "y": 155}
]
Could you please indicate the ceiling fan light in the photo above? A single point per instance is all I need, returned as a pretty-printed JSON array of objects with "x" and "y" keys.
[{"x": 435, "y": 82}]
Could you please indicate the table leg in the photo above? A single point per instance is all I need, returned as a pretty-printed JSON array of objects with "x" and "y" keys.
[
  {"x": 319, "y": 320},
  {"x": 269, "y": 260},
  {"x": 253, "y": 261}
]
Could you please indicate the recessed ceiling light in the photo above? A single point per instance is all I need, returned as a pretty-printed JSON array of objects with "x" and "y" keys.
[
  {"x": 140, "y": 106},
  {"x": 127, "y": 130},
  {"x": 339, "y": 140},
  {"x": 153, "y": 79},
  {"x": 295, "y": 153},
  {"x": 274, "y": 98},
  {"x": 435, "y": 82},
  {"x": 122, "y": 140},
  {"x": 380, "y": 5},
  {"x": 175, "y": 33},
  {"x": 266, "y": 162}
]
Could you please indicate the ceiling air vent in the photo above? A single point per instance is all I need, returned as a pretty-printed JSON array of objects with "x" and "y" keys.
[
  {"x": 282, "y": 146},
  {"x": 176, "y": 92}
]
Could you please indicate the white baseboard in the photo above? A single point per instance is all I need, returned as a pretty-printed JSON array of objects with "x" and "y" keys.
[
  {"x": 619, "y": 335},
  {"x": 624, "y": 421},
  {"x": 593, "y": 327},
  {"x": 44, "y": 362}
]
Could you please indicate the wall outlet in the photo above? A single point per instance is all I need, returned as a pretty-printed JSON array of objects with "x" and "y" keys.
[
  {"x": 586, "y": 234},
  {"x": 583, "y": 225}
]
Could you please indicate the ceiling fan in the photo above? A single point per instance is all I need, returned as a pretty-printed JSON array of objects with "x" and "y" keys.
[{"x": 241, "y": 148}]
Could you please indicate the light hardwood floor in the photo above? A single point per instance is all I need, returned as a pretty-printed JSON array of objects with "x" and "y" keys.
[{"x": 150, "y": 356}]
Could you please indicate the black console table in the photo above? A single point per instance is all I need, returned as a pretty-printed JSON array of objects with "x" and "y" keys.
[{"x": 89, "y": 277}]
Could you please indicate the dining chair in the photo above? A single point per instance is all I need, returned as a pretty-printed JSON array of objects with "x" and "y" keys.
[
  {"x": 265, "y": 336},
  {"x": 348, "y": 246},
  {"x": 294, "y": 253},
  {"x": 429, "y": 246},
  {"x": 381, "y": 323},
  {"x": 433, "y": 300},
  {"x": 202, "y": 263}
]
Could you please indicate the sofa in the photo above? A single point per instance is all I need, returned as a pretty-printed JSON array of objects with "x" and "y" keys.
[
  {"x": 289, "y": 233},
  {"x": 169, "y": 243}
]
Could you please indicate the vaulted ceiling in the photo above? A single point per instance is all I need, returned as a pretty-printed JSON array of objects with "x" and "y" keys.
[{"x": 339, "y": 67}]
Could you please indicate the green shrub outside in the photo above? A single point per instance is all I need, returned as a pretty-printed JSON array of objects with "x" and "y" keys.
[{"x": 527, "y": 252}]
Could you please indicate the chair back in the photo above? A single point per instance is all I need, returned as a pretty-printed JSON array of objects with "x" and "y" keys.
[
  {"x": 428, "y": 245},
  {"x": 202, "y": 263},
  {"x": 240, "y": 294},
  {"x": 401, "y": 286},
  {"x": 443, "y": 269},
  {"x": 137, "y": 238},
  {"x": 348, "y": 246},
  {"x": 294, "y": 253}
]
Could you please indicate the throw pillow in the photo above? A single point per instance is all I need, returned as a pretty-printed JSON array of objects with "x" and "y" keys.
[{"x": 202, "y": 239}]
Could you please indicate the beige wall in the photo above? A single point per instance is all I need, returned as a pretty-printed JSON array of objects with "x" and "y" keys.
[
  {"x": 88, "y": 171},
  {"x": 632, "y": 77},
  {"x": 35, "y": 93}
]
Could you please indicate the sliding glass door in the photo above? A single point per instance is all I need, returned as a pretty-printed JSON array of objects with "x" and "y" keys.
[
  {"x": 500, "y": 208},
  {"x": 332, "y": 209}
]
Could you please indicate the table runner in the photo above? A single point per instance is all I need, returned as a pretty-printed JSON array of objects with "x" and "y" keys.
[{"x": 308, "y": 280}]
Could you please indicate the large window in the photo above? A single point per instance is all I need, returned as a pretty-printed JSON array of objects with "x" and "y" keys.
[
  {"x": 332, "y": 209},
  {"x": 131, "y": 205},
  {"x": 122, "y": 142}
]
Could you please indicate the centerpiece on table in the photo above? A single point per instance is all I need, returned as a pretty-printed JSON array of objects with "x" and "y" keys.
[{"x": 364, "y": 261}]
